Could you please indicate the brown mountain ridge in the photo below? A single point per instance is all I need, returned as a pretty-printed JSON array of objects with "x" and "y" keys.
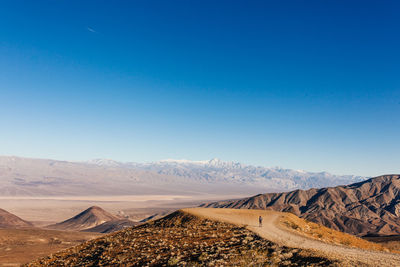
[
  {"x": 371, "y": 207},
  {"x": 87, "y": 219},
  {"x": 9, "y": 220}
]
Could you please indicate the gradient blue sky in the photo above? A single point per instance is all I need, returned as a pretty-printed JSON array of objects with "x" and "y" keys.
[{"x": 311, "y": 85}]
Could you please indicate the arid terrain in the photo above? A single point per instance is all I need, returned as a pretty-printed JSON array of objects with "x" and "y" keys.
[
  {"x": 45, "y": 211},
  {"x": 391, "y": 242},
  {"x": 288, "y": 230},
  {"x": 93, "y": 219},
  {"x": 368, "y": 207},
  {"x": 20, "y": 242},
  {"x": 215, "y": 237},
  {"x": 18, "y": 246},
  {"x": 181, "y": 239},
  {"x": 8, "y": 220},
  {"x": 45, "y": 191},
  {"x": 199, "y": 133},
  {"x": 204, "y": 236}
]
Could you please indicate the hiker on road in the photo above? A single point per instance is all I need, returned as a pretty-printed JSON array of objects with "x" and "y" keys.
[{"x": 260, "y": 219}]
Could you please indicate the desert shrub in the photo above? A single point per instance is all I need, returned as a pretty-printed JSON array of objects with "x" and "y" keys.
[{"x": 173, "y": 261}]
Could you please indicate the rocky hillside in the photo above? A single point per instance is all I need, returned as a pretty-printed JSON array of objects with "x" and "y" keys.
[
  {"x": 181, "y": 239},
  {"x": 92, "y": 217},
  {"x": 9, "y": 220},
  {"x": 368, "y": 207},
  {"x": 112, "y": 226}
]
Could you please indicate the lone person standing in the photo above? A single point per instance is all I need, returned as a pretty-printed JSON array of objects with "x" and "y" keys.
[{"x": 260, "y": 221}]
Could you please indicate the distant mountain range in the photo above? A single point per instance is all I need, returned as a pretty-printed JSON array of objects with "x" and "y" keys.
[
  {"x": 41, "y": 177},
  {"x": 217, "y": 171},
  {"x": 371, "y": 207}
]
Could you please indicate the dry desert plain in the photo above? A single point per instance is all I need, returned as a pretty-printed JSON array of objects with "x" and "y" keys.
[{"x": 46, "y": 210}]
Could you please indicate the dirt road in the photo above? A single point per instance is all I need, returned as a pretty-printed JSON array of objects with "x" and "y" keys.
[{"x": 274, "y": 232}]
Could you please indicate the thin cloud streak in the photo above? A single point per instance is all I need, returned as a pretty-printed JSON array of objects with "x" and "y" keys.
[{"x": 91, "y": 30}]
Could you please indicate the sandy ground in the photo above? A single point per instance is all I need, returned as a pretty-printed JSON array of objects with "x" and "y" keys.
[
  {"x": 18, "y": 246},
  {"x": 273, "y": 231}
]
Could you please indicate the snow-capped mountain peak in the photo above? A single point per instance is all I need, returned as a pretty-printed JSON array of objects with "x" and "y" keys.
[
  {"x": 229, "y": 172},
  {"x": 104, "y": 162}
]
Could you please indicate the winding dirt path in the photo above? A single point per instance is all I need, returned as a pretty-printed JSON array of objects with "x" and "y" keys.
[{"x": 271, "y": 230}]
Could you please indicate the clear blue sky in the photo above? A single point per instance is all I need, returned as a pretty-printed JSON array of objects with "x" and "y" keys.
[{"x": 311, "y": 85}]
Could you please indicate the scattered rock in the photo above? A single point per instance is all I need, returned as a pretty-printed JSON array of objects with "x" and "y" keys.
[{"x": 181, "y": 239}]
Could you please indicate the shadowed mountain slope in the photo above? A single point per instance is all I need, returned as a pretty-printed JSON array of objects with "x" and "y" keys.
[
  {"x": 111, "y": 226},
  {"x": 368, "y": 207},
  {"x": 9, "y": 220},
  {"x": 89, "y": 218}
]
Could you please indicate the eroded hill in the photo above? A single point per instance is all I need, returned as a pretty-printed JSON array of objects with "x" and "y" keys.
[
  {"x": 89, "y": 218},
  {"x": 9, "y": 220},
  {"x": 369, "y": 207}
]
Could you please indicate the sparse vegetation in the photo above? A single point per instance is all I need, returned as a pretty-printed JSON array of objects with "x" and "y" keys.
[
  {"x": 390, "y": 242},
  {"x": 181, "y": 239},
  {"x": 326, "y": 234}
]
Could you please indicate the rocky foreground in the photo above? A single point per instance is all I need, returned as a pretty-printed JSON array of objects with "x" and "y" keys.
[{"x": 182, "y": 239}]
